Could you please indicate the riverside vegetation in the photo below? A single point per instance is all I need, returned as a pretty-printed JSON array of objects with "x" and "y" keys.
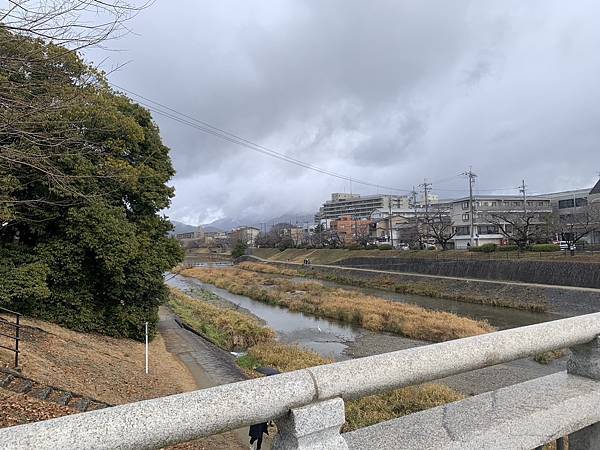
[
  {"x": 236, "y": 327},
  {"x": 383, "y": 282},
  {"x": 366, "y": 311}
]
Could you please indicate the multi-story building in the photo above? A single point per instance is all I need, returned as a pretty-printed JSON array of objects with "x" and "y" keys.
[
  {"x": 573, "y": 210},
  {"x": 244, "y": 234},
  {"x": 594, "y": 196},
  {"x": 483, "y": 222},
  {"x": 192, "y": 239},
  {"x": 352, "y": 231},
  {"x": 358, "y": 206}
]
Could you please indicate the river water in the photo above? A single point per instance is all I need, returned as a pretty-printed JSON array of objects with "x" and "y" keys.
[
  {"x": 324, "y": 336},
  {"x": 341, "y": 341}
]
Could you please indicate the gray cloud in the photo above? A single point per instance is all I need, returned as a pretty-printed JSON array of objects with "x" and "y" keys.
[{"x": 391, "y": 91}]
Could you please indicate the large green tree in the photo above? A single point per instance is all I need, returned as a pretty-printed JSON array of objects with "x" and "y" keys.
[{"x": 83, "y": 178}]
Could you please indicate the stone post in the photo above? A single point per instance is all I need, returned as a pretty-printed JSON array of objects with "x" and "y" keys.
[
  {"x": 585, "y": 362},
  {"x": 316, "y": 426}
]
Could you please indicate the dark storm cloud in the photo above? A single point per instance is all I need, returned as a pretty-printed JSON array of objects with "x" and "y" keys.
[{"x": 391, "y": 91}]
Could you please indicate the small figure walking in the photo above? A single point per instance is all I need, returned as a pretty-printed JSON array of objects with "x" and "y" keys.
[{"x": 256, "y": 434}]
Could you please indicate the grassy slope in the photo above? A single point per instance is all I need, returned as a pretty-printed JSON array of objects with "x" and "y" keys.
[{"x": 101, "y": 367}]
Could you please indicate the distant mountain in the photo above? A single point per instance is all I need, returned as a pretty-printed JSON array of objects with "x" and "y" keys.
[
  {"x": 181, "y": 227},
  {"x": 228, "y": 224}
]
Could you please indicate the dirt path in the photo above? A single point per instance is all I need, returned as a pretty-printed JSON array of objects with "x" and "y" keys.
[{"x": 209, "y": 365}]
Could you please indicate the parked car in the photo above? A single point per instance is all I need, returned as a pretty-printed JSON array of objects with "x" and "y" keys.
[
  {"x": 403, "y": 246},
  {"x": 564, "y": 245}
]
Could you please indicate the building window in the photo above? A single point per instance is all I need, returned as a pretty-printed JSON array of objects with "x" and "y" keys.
[
  {"x": 562, "y": 204},
  {"x": 465, "y": 205},
  {"x": 466, "y": 217},
  {"x": 462, "y": 231},
  {"x": 581, "y": 202},
  {"x": 488, "y": 229}
]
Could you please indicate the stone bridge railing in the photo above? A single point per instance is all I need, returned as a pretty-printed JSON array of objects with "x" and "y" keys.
[{"x": 308, "y": 405}]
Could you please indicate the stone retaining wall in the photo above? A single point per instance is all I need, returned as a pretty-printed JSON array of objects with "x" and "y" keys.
[
  {"x": 560, "y": 273},
  {"x": 568, "y": 302}
]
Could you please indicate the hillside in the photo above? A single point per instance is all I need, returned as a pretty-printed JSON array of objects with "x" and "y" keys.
[{"x": 107, "y": 369}]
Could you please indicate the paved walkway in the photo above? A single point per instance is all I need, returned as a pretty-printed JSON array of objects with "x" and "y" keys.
[{"x": 209, "y": 365}]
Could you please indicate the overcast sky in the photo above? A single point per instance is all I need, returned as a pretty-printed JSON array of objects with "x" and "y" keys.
[{"x": 387, "y": 91}]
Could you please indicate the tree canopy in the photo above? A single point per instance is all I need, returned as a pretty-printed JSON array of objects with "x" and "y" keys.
[{"x": 83, "y": 178}]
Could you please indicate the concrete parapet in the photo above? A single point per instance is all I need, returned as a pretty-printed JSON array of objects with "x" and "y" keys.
[
  {"x": 312, "y": 395},
  {"x": 313, "y": 427},
  {"x": 522, "y": 416}
]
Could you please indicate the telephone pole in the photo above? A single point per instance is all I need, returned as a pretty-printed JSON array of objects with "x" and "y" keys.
[
  {"x": 471, "y": 176},
  {"x": 523, "y": 190},
  {"x": 413, "y": 195},
  {"x": 390, "y": 222},
  {"x": 426, "y": 189}
]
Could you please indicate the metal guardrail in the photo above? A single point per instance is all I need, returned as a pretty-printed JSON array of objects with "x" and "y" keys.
[
  {"x": 16, "y": 337},
  {"x": 309, "y": 398}
]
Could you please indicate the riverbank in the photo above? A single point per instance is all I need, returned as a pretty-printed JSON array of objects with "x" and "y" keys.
[
  {"x": 346, "y": 306},
  {"x": 564, "y": 301},
  {"x": 283, "y": 357}
]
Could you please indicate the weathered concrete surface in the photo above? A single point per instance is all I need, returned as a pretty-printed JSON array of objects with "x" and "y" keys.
[
  {"x": 209, "y": 365},
  {"x": 524, "y": 416},
  {"x": 312, "y": 427},
  {"x": 560, "y": 273},
  {"x": 168, "y": 420},
  {"x": 585, "y": 360},
  {"x": 357, "y": 377},
  {"x": 565, "y": 300},
  {"x": 469, "y": 383}
]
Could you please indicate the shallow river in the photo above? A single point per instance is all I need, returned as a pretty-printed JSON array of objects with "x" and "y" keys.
[
  {"x": 326, "y": 337},
  {"x": 340, "y": 341}
]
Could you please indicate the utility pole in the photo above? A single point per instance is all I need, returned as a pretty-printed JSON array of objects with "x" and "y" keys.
[
  {"x": 523, "y": 190},
  {"x": 426, "y": 189},
  {"x": 413, "y": 195},
  {"x": 471, "y": 177},
  {"x": 390, "y": 223}
]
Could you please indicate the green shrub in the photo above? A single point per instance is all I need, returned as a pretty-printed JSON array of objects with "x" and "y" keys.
[
  {"x": 385, "y": 247},
  {"x": 543, "y": 248},
  {"x": 485, "y": 248},
  {"x": 507, "y": 248}
]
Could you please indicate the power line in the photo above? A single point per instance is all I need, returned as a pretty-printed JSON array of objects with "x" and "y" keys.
[{"x": 205, "y": 127}]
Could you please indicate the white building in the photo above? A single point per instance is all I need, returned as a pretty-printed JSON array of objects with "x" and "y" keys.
[{"x": 479, "y": 230}]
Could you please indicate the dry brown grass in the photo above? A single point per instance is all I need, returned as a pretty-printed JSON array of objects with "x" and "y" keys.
[
  {"x": 267, "y": 268},
  {"x": 367, "y": 311},
  {"x": 101, "y": 367},
  {"x": 401, "y": 402},
  {"x": 365, "y": 411},
  {"x": 230, "y": 330}
]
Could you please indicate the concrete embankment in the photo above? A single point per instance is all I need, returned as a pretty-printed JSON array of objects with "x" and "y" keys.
[
  {"x": 554, "y": 299},
  {"x": 559, "y": 273}
]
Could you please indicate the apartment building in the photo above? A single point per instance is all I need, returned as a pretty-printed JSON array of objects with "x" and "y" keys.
[
  {"x": 572, "y": 208},
  {"x": 358, "y": 206},
  {"x": 244, "y": 234},
  {"x": 352, "y": 231},
  {"x": 488, "y": 211}
]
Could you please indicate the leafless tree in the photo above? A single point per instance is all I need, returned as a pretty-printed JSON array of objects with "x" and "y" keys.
[
  {"x": 576, "y": 226},
  {"x": 437, "y": 225},
  {"x": 72, "y": 24},
  {"x": 42, "y": 83},
  {"x": 520, "y": 228}
]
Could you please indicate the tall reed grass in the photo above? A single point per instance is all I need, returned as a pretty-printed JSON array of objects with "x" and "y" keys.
[{"x": 366, "y": 311}]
